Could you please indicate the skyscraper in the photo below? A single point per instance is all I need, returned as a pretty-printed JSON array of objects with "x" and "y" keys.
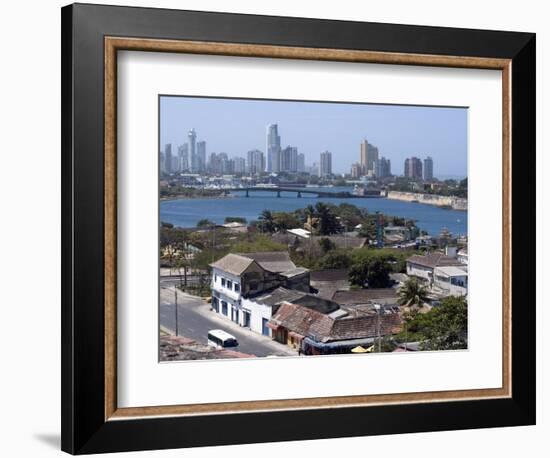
[
  {"x": 239, "y": 165},
  {"x": 162, "y": 163},
  {"x": 168, "y": 158},
  {"x": 183, "y": 153},
  {"x": 368, "y": 155},
  {"x": 201, "y": 156},
  {"x": 289, "y": 159},
  {"x": 382, "y": 167},
  {"x": 301, "y": 163},
  {"x": 192, "y": 138},
  {"x": 413, "y": 168},
  {"x": 428, "y": 169},
  {"x": 325, "y": 164},
  {"x": 273, "y": 148},
  {"x": 256, "y": 162}
]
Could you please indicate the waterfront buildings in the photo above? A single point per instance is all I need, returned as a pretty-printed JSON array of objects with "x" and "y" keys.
[
  {"x": 428, "y": 169},
  {"x": 325, "y": 164},
  {"x": 255, "y": 162},
  {"x": 192, "y": 137},
  {"x": 413, "y": 168},
  {"x": 273, "y": 148}
]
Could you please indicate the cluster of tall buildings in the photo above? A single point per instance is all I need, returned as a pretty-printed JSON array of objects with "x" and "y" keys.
[
  {"x": 370, "y": 164},
  {"x": 191, "y": 158},
  {"x": 414, "y": 169},
  {"x": 282, "y": 159}
]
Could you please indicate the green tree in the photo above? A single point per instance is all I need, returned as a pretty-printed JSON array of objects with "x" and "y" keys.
[
  {"x": 205, "y": 223},
  {"x": 326, "y": 244},
  {"x": 374, "y": 273},
  {"x": 335, "y": 260},
  {"x": 284, "y": 220},
  {"x": 444, "y": 327},
  {"x": 412, "y": 294},
  {"x": 235, "y": 219}
]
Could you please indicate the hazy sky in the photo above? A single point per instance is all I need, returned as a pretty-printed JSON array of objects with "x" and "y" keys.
[{"x": 235, "y": 126}]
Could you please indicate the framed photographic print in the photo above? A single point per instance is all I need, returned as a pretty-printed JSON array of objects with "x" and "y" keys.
[{"x": 284, "y": 228}]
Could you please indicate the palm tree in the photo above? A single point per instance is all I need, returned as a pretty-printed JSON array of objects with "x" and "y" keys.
[
  {"x": 327, "y": 220},
  {"x": 412, "y": 294},
  {"x": 267, "y": 223}
]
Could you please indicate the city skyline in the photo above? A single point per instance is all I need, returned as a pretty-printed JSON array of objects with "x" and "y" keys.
[{"x": 236, "y": 126}]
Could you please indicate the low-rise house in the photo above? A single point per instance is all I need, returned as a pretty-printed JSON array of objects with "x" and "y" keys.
[
  {"x": 422, "y": 266},
  {"x": 326, "y": 282},
  {"x": 462, "y": 255},
  {"x": 236, "y": 227},
  {"x": 296, "y": 239},
  {"x": 397, "y": 233},
  {"x": 354, "y": 297},
  {"x": 451, "y": 280},
  {"x": 315, "y": 333},
  {"x": 239, "y": 280}
]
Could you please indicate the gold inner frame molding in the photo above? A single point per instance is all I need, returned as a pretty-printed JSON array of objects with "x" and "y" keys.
[{"x": 114, "y": 44}]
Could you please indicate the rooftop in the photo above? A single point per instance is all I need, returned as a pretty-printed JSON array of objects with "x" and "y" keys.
[
  {"x": 233, "y": 263},
  {"x": 433, "y": 260},
  {"x": 273, "y": 261},
  {"x": 275, "y": 297},
  {"x": 452, "y": 271},
  {"x": 363, "y": 296},
  {"x": 325, "y": 328}
]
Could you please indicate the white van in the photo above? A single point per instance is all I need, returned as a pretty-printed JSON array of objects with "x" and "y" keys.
[{"x": 221, "y": 339}]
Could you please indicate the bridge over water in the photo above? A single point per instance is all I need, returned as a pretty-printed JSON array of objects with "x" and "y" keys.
[{"x": 299, "y": 191}]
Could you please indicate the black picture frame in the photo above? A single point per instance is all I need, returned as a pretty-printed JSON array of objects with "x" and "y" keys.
[{"x": 84, "y": 428}]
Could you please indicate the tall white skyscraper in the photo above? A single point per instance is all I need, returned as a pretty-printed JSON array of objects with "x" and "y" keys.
[
  {"x": 325, "y": 164},
  {"x": 273, "y": 148},
  {"x": 192, "y": 138}
]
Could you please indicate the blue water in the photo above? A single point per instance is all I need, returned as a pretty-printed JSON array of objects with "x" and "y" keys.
[{"x": 187, "y": 212}]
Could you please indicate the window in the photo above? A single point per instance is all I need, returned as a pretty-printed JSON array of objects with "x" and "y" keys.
[
  {"x": 224, "y": 308},
  {"x": 223, "y": 282},
  {"x": 215, "y": 277},
  {"x": 237, "y": 287},
  {"x": 229, "y": 284}
]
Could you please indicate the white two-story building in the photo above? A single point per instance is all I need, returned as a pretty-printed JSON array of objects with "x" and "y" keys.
[{"x": 246, "y": 287}]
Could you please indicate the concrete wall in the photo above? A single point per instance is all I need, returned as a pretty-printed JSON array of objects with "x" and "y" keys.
[{"x": 456, "y": 203}]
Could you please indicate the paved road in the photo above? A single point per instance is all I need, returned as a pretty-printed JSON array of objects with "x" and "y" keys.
[{"x": 195, "y": 320}]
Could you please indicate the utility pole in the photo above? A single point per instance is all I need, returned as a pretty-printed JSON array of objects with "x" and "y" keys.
[{"x": 176, "y": 307}]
